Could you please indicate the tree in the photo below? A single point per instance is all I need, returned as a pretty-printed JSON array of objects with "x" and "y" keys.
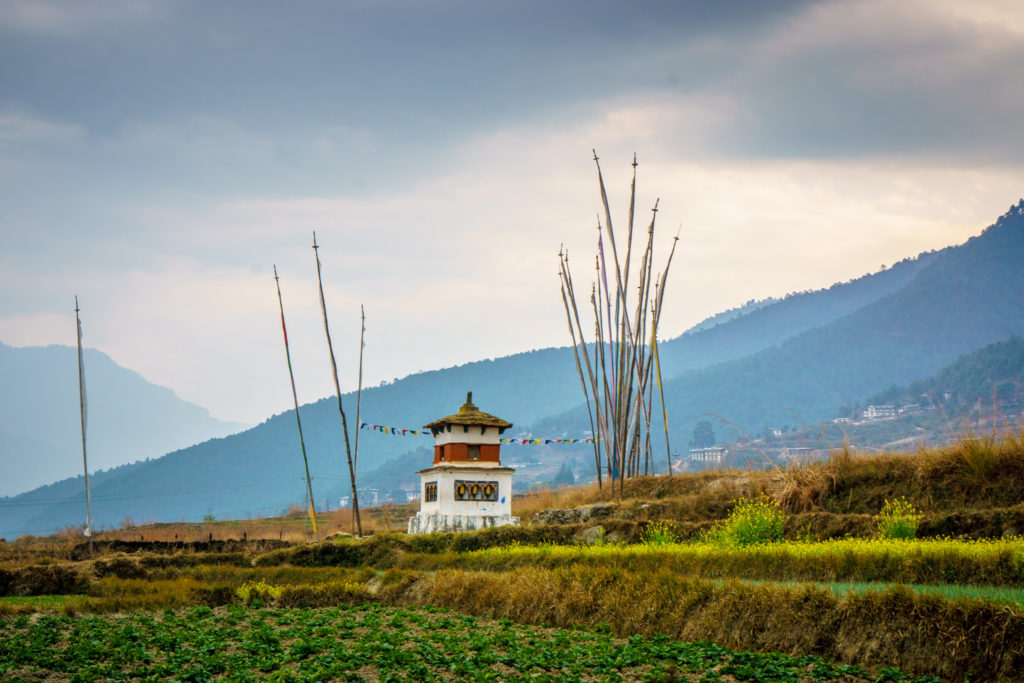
[
  {"x": 703, "y": 435},
  {"x": 565, "y": 477}
]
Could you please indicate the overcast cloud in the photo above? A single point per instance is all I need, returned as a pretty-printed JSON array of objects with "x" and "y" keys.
[{"x": 157, "y": 158}]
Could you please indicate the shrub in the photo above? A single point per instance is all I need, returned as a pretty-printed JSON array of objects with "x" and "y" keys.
[
  {"x": 658, "y": 533},
  {"x": 752, "y": 521},
  {"x": 898, "y": 519},
  {"x": 42, "y": 580},
  {"x": 252, "y": 591},
  {"x": 121, "y": 567}
]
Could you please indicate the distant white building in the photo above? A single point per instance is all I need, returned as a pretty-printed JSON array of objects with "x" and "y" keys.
[
  {"x": 713, "y": 454},
  {"x": 366, "y": 497},
  {"x": 879, "y": 412},
  {"x": 466, "y": 488},
  {"x": 797, "y": 453}
]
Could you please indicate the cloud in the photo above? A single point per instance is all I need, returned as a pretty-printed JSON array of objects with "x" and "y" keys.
[
  {"x": 63, "y": 17},
  {"x": 443, "y": 156},
  {"x": 15, "y": 128},
  {"x": 863, "y": 78},
  {"x": 481, "y": 233}
]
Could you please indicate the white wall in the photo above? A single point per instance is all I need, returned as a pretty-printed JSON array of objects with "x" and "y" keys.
[
  {"x": 472, "y": 436},
  {"x": 446, "y": 503}
]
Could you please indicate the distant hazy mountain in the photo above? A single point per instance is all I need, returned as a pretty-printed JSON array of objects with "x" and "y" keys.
[
  {"x": 129, "y": 418},
  {"x": 789, "y": 361}
]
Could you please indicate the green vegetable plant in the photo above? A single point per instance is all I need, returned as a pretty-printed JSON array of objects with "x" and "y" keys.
[
  {"x": 751, "y": 522},
  {"x": 348, "y": 643},
  {"x": 258, "y": 593},
  {"x": 898, "y": 519},
  {"x": 659, "y": 533}
]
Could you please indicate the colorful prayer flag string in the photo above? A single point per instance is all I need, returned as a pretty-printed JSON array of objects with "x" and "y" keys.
[{"x": 398, "y": 431}]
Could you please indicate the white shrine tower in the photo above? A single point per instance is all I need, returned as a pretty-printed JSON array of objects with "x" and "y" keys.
[{"x": 466, "y": 488}]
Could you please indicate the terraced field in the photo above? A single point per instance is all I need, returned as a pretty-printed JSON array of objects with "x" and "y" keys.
[
  {"x": 799, "y": 575},
  {"x": 372, "y": 643}
]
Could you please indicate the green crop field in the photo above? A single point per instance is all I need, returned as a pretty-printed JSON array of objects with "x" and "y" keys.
[{"x": 372, "y": 643}]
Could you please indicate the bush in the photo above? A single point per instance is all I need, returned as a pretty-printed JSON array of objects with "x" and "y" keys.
[
  {"x": 658, "y": 533},
  {"x": 898, "y": 519},
  {"x": 752, "y": 521},
  {"x": 121, "y": 567},
  {"x": 252, "y": 591},
  {"x": 42, "y": 580}
]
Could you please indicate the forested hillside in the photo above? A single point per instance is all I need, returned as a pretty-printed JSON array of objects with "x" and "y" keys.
[
  {"x": 995, "y": 371},
  {"x": 965, "y": 299},
  {"x": 772, "y": 324}
]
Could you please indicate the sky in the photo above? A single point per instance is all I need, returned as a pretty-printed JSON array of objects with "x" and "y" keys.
[{"x": 157, "y": 159}]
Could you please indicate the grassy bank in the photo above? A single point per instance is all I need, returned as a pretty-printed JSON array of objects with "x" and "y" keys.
[
  {"x": 978, "y": 473},
  {"x": 935, "y": 561}
]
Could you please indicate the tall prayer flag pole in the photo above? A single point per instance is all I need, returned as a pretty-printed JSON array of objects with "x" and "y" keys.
[
  {"x": 337, "y": 389},
  {"x": 82, "y": 411},
  {"x": 295, "y": 398},
  {"x": 359, "y": 386}
]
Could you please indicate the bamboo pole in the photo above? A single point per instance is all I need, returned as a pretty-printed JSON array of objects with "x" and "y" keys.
[
  {"x": 610, "y": 454},
  {"x": 295, "y": 398},
  {"x": 659, "y": 298},
  {"x": 568, "y": 286},
  {"x": 82, "y": 409},
  {"x": 359, "y": 385},
  {"x": 583, "y": 382},
  {"x": 661, "y": 391},
  {"x": 626, "y": 366},
  {"x": 337, "y": 390},
  {"x": 359, "y": 390}
]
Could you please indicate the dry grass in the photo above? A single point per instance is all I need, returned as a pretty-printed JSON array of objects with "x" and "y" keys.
[
  {"x": 975, "y": 473},
  {"x": 293, "y": 527},
  {"x": 526, "y": 504}
]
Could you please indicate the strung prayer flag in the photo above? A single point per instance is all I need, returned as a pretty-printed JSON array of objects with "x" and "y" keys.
[{"x": 399, "y": 431}]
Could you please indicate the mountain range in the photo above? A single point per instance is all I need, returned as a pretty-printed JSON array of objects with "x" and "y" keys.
[
  {"x": 129, "y": 418},
  {"x": 791, "y": 360}
]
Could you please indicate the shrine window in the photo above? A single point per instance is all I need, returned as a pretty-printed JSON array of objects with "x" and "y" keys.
[{"x": 476, "y": 490}]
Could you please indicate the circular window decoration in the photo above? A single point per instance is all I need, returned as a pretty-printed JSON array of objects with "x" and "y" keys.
[
  {"x": 488, "y": 490},
  {"x": 475, "y": 490},
  {"x": 462, "y": 489}
]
